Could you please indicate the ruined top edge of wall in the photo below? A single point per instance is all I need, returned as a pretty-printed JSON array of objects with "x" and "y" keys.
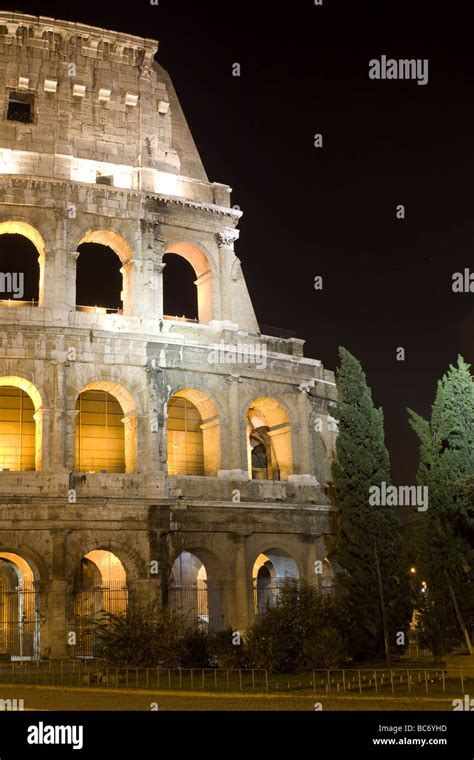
[{"x": 24, "y": 29}]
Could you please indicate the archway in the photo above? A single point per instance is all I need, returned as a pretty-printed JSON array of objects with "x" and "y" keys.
[
  {"x": 180, "y": 300},
  {"x": 99, "y": 282},
  {"x": 106, "y": 429},
  {"x": 204, "y": 279},
  {"x": 193, "y": 594},
  {"x": 19, "y": 271},
  {"x": 100, "y": 588},
  {"x": 270, "y": 570},
  {"x": 22, "y": 260},
  {"x": 193, "y": 434},
  {"x": 19, "y": 609},
  {"x": 269, "y": 451},
  {"x": 20, "y": 425},
  {"x": 102, "y": 244}
]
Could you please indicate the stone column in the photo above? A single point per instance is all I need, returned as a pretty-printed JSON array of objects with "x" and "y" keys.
[
  {"x": 129, "y": 294},
  {"x": 132, "y": 426},
  {"x": 149, "y": 283},
  {"x": 206, "y": 305},
  {"x": 53, "y": 602},
  {"x": 243, "y": 615},
  {"x": 57, "y": 427},
  {"x": 39, "y": 417},
  {"x": 304, "y": 439},
  {"x": 225, "y": 242},
  {"x": 233, "y": 444},
  {"x": 69, "y": 296},
  {"x": 63, "y": 265},
  {"x": 144, "y": 591}
]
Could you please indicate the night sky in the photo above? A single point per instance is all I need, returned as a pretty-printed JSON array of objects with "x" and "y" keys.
[{"x": 332, "y": 211}]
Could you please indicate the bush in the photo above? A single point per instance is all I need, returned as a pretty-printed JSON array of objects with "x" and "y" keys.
[
  {"x": 302, "y": 631},
  {"x": 147, "y": 637},
  {"x": 223, "y": 651}
]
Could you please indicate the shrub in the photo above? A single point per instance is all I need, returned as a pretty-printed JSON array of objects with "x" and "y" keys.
[{"x": 302, "y": 631}]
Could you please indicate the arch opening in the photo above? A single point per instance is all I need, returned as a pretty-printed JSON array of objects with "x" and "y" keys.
[
  {"x": 19, "y": 609},
  {"x": 20, "y": 425},
  {"x": 112, "y": 290},
  {"x": 270, "y": 570},
  {"x": 269, "y": 450},
  {"x": 19, "y": 271},
  {"x": 179, "y": 289},
  {"x": 193, "y": 594},
  {"x": 22, "y": 259},
  {"x": 100, "y": 588},
  {"x": 100, "y": 432},
  {"x": 179, "y": 275},
  {"x": 106, "y": 436},
  {"x": 99, "y": 282},
  {"x": 193, "y": 434}
]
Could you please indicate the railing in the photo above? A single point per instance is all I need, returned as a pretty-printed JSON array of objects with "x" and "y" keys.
[
  {"x": 15, "y": 302},
  {"x": 383, "y": 682},
  {"x": 89, "y": 608},
  {"x": 98, "y": 310},
  {"x": 199, "y": 601},
  {"x": 181, "y": 319},
  {"x": 277, "y": 332},
  {"x": 19, "y": 621}
]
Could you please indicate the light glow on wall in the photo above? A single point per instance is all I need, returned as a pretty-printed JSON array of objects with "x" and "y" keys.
[
  {"x": 8, "y": 163},
  {"x": 85, "y": 170},
  {"x": 166, "y": 184}
]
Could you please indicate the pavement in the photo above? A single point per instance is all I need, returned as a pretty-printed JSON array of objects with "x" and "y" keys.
[{"x": 59, "y": 698}]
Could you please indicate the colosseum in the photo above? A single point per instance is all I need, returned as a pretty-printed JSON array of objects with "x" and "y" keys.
[{"x": 144, "y": 455}]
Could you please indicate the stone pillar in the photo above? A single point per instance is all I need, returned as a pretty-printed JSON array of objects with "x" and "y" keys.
[
  {"x": 225, "y": 242},
  {"x": 243, "y": 616},
  {"x": 206, "y": 306},
  {"x": 57, "y": 427},
  {"x": 53, "y": 601},
  {"x": 158, "y": 275},
  {"x": 41, "y": 417},
  {"x": 144, "y": 591},
  {"x": 70, "y": 437},
  {"x": 68, "y": 297},
  {"x": 132, "y": 427},
  {"x": 129, "y": 294},
  {"x": 63, "y": 265},
  {"x": 305, "y": 465},
  {"x": 212, "y": 446},
  {"x": 149, "y": 284},
  {"x": 233, "y": 444}
]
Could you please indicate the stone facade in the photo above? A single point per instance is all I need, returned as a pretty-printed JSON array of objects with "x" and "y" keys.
[{"x": 101, "y": 107}]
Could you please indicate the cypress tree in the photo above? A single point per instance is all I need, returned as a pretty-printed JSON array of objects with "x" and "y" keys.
[
  {"x": 443, "y": 535},
  {"x": 369, "y": 548}
]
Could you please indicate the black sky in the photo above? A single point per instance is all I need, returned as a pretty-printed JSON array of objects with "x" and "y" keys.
[{"x": 331, "y": 211}]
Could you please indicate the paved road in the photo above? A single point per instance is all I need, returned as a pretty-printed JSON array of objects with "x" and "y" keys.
[{"x": 55, "y": 698}]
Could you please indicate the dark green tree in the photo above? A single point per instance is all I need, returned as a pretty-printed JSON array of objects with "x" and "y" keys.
[
  {"x": 444, "y": 534},
  {"x": 369, "y": 550}
]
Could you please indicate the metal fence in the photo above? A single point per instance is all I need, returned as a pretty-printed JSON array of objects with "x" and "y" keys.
[
  {"x": 19, "y": 621},
  {"x": 89, "y": 609},
  {"x": 200, "y": 601},
  {"x": 384, "y": 682}
]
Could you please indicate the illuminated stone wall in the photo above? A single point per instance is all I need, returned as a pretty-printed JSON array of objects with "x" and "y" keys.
[{"x": 159, "y": 200}]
